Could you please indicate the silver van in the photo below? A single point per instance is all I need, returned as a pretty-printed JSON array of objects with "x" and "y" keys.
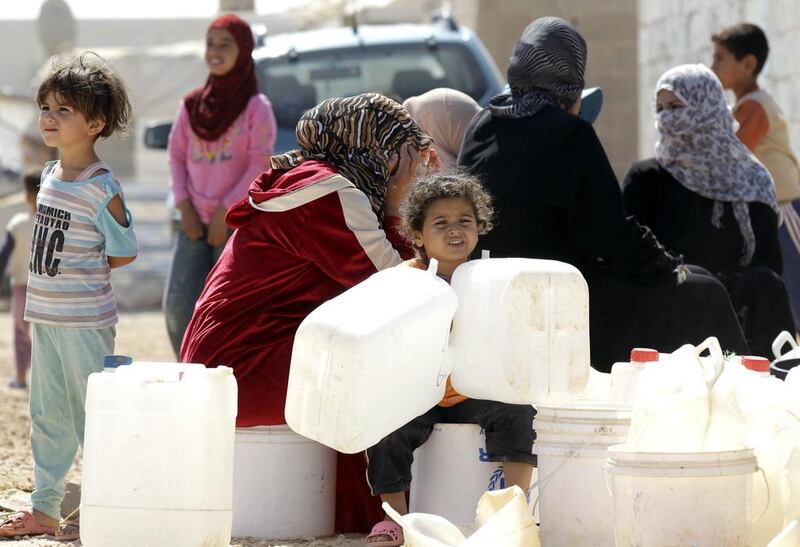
[{"x": 298, "y": 70}]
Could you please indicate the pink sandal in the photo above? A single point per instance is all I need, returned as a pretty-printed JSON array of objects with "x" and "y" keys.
[
  {"x": 70, "y": 531},
  {"x": 23, "y": 523},
  {"x": 387, "y": 528}
]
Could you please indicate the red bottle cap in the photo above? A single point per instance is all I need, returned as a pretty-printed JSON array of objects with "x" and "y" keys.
[
  {"x": 758, "y": 364},
  {"x": 643, "y": 355}
]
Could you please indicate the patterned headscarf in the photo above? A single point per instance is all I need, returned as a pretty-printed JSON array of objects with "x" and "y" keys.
[
  {"x": 698, "y": 146},
  {"x": 214, "y": 107},
  {"x": 545, "y": 69},
  {"x": 445, "y": 115},
  {"x": 357, "y": 135}
]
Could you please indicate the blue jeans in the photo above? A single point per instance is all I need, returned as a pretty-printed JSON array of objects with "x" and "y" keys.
[
  {"x": 191, "y": 262},
  {"x": 61, "y": 361}
]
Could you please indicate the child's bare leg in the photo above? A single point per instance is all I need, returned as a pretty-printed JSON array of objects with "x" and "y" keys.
[
  {"x": 397, "y": 500},
  {"x": 45, "y": 519},
  {"x": 518, "y": 474}
]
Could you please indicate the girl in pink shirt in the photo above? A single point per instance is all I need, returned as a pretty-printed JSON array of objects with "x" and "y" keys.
[{"x": 222, "y": 139}]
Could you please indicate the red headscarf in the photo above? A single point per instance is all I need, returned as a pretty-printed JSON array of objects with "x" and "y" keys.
[{"x": 215, "y": 106}]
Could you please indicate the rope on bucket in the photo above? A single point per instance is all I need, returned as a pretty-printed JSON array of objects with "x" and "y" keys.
[
  {"x": 541, "y": 482},
  {"x": 769, "y": 494}
]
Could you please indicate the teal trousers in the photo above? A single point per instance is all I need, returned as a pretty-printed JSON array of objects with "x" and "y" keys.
[{"x": 61, "y": 361}]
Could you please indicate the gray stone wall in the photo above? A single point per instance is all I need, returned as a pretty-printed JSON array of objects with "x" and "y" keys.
[
  {"x": 609, "y": 28},
  {"x": 674, "y": 32}
]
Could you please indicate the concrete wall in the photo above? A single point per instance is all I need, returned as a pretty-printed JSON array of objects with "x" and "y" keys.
[
  {"x": 678, "y": 31},
  {"x": 609, "y": 28}
]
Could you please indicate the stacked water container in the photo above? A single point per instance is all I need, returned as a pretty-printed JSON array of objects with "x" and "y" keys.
[
  {"x": 667, "y": 440},
  {"x": 158, "y": 456},
  {"x": 511, "y": 330}
]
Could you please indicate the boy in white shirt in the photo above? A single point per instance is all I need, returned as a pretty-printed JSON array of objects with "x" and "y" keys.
[{"x": 15, "y": 255}]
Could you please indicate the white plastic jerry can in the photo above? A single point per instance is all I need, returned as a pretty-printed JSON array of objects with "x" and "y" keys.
[
  {"x": 372, "y": 359},
  {"x": 521, "y": 332},
  {"x": 625, "y": 376},
  {"x": 672, "y": 407},
  {"x": 158, "y": 456}
]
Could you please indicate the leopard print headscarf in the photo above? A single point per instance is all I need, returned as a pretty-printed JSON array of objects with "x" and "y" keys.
[{"x": 358, "y": 135}]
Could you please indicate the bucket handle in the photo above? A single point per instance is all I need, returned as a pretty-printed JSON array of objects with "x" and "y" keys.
[
  {"x": 541, "y": 482},
  {"x": 785, "y": 337},
  {"x": 607, "y": 477},
  {"x": 712, "y": 345},
  {"x": 769, "y": 496},
  {"x": 785, "y": 489}
]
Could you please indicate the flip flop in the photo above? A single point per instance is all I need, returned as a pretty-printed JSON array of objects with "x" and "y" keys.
[
  {"x": 387, "y": 528},
  {"x": 70, "y": 531},
  {"x": 23, "y": 523}
]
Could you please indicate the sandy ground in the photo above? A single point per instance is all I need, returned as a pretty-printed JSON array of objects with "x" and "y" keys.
[{"x": 141, "y": 335}]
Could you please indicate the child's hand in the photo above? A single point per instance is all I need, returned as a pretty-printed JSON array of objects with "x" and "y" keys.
[
  {"x": 417, "y": 263},
  {"x": 218, "y": 230},
  {"x": 191, "y": 224}
]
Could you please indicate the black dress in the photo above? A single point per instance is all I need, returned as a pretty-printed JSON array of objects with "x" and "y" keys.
[
  {"x": 557, "y": 198},
  {"x": 681, "y": 219}
]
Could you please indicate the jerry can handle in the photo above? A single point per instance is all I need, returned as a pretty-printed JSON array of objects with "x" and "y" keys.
[
  {"x": 782, "y": 339},
  {"x": 712, "y": 345}
]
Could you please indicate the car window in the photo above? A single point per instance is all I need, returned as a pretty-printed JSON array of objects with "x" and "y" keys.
[{"x": 294, "y": 85}]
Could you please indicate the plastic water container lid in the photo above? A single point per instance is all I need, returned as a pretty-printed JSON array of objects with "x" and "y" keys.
[
  {"x": 643, "y": 355},
  {"x": 758, "y": 364},
  {"x": 114, "y": 361}
]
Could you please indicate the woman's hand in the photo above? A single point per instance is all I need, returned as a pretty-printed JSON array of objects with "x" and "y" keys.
[
  {"x": 410, "y": 161},
  {"x": 435, "y": 163},
  {"x": 218, "y": 230},
  {"x": 191, "y": 225}
]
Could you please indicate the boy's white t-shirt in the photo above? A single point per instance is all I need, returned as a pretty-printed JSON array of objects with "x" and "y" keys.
[{"x": 21, "y": 229}]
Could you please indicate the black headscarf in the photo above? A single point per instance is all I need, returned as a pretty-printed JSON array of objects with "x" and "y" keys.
[{"x": 545, "y": 69}]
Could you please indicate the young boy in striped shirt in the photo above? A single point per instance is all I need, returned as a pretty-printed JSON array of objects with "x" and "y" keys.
[{"x": 81, "y": 230}]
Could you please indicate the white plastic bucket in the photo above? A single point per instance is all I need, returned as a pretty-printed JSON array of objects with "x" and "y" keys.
[
  {"x": 571, "y": 442},
  {"x": 158, "y": 456},
  {"x": 450, "y": 473},
  {"x": 702, "y": 499},
  {"x": 284, "y": 485}
]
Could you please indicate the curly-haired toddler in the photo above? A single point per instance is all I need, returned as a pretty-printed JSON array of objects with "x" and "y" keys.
[{"x": 443, "y": 216}]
